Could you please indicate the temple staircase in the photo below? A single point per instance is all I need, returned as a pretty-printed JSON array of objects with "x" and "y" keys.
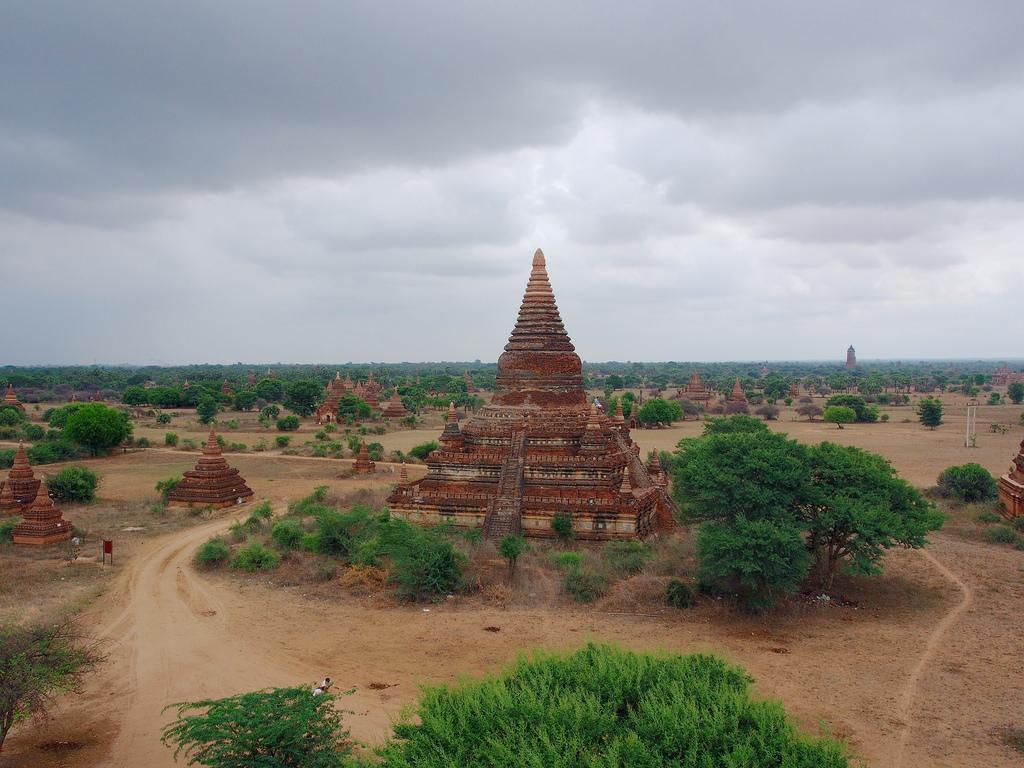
[{"x": 504, "y": 511}]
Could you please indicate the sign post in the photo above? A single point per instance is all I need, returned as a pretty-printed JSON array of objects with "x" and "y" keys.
[{"x": 108, "y": 549}]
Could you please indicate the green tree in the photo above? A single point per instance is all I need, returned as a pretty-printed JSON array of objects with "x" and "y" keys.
[
  {"x": 98, "y": 428},
  {"x": 857, "y": 508},
  {"x": 659, "y": 411},
  {"x": 753, "y": 474},
  {"x": 353, "y": 406},
  {"x": 58, "y": 417},
  {"x": 512, "y": 548},
  {"x": 1016, "y": 392},
  {"x": 207, "y": 408},
  {"x": 969, "y": 483},
  {"x": 839, "y": 415},
  {"x": 288, "y": 423},
  {"x": 863, "y": 412},
  {"x": 37, "y": 664},
  {"x": 73, "y": 484},
  {"x": 303, "y": 397},
  {"x": 561, "y": 524},
  {"x": 276, "y": 728},
  {"x": 270, "y": 390},
  {"x": 758, "y": 560},
  {"x": 929, "y": 412},
  {"x": 245, "y": 399},
  {"x": 422, "y": 450}
]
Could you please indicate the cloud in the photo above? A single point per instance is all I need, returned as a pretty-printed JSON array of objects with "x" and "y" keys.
[{"x": 350, "y": 181}]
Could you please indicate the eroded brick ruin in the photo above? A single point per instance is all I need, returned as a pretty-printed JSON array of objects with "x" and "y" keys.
[
  {"x": 539, "y": 448},
  {"x": 19, "y": 490},
  {"x": 1011, "y": 487}
]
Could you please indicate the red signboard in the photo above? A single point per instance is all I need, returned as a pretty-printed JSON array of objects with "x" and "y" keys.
[{"x": 108, "y": 549}]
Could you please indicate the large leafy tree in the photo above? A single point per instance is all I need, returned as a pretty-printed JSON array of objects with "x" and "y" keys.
[
  {"x": 207, "y": 408},
  {"x": 279, "y": 728},
  {"x": 1016, "y": 392},
  {"x": 270, "y": 390},
  {"x": 659, "y": 411},
  {"x": 749, "y": 474},
  {"x": 98, "y": 428},
  {"x": 857, "y": 508},
  {"x": 758, "y": 560},
  {"x": 37, "y": 664},
  {"x": 303, "y": 397}
]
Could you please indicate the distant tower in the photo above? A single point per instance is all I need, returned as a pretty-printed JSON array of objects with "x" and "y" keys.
[{"x": 851, "y": 357}]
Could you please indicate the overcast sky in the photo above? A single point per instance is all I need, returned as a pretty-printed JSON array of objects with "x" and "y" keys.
[{"x": 328, "y": 181}]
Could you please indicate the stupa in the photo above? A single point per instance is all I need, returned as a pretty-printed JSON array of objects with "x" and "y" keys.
[
  {"x": 471, "y": 388},
  {"x": 1011, "y": 487},
  {"x": 738, "y": 395},
  {"x": 328, "y": 411},
  {"x": 225, "y": 388},
  {"x": 212, "y": 483},
  {"x": 43, "y": 523},
  {"x": 695, "y": 390},
  {"x": 19, "y": 490},
  {"x": 394, "y": 408},
  {"x": 11, "y": 399},
  {"x": 538, "y": 449},
  {"x": 364, "y": 464},
  {"x": 369, "y": 392}
]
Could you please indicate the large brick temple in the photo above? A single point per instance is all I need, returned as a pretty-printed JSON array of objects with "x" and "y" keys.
[{"x": 539, "y": 448}]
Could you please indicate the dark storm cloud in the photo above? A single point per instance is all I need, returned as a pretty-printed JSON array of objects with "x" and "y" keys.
[{"x": 322, "y": 164}]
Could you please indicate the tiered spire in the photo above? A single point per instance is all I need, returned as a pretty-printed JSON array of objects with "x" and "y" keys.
[
  {"x": 11, "y": 399},
  {"x": 213, "y": 483},
  {"x": 21, "y": 486},
  {"x": 43, "y": 523},
  {"x": 364, "y": 464},
  {"x": 626, "y": 489},
  {"x": 738, "y": 395},
  {"x": 540, "y": 365}
]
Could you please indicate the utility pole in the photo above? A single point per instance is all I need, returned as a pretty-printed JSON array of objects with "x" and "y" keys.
[{"x": 972, "y": 424}]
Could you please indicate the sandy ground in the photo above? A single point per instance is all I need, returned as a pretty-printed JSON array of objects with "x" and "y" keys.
[{"x": 920, "y": 673}]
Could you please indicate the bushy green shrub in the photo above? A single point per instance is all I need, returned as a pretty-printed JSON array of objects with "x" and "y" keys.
[
  {"x": 263, "y": 510},
  {"x": 968, "y": 482},
  {"x": 566, "y": 560},
  {"x": 170, "y": 439},
  {"x": 584, "y": 586},
  {"x": 212, "y": 552},
  {"x": 287, "y": 534},
  {"x": 288, "y": 423},
  {"x": 626, "y": 556},
  {"x": 988, "y": 516},
  {"x": 561, "y": 524},
  {"x": 7, "y": 529},
  {"x": 142, "y": 442},
  {"x": 422, "y": 450},
  {"x": 73, "y": 484},
  {"x": 282, "y": 441},
  {"x": 425, "y": 564},
  {"x": 163, "y": 418},
  {"x": 603, "y": 706},
  {"x": 33, "y": 432},
  {"x": 1018, "y": 524},
  {"x": 255, "y": 557},
  {"x": 1000, "y": 534},
  {"x": 339, "y": 533},
  {"x": 678, "y": 594},
  {"x": 10, "y": 416},
  {"x": 164, "y": 487},
  {"x": 51, "y": 451},
  {"x": 739, "y": 422}
]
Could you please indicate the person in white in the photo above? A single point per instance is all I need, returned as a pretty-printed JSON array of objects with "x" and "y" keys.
[{"x": 322, "y": 687}]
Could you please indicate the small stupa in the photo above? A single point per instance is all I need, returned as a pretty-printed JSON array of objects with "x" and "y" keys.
[
  {"x": 394, "y": 408},
  {"x": 212, "y": 483},
  {"x": 364, "y": 464},
  {"x": 11, "y": 399},
  {"x": 19, "y": 490},
  {"x": 43, "y": 523},
  {"x": 738, "y": 395}
]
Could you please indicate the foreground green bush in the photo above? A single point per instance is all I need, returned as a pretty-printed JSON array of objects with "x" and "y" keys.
[
  {"x": 73, "y": 484},
  {"x": 602, "y": 706},
  {"x": 255, "y": 557},
  {"x": 968, "y": 482},
  {"x": 287, "y": 534},
  {"x": 678, "y": 594},
  {"x": 7, "y": 529},
  {"x": 212, "y": 552},
  {"x": 1000, "y": 534}
]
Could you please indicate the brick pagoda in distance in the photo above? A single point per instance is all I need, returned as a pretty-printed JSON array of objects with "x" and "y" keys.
[
  {"x": 212, "y": 483},
  {"x": 538, "y": 449},
  {"x": 1011, "y": 487}
]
